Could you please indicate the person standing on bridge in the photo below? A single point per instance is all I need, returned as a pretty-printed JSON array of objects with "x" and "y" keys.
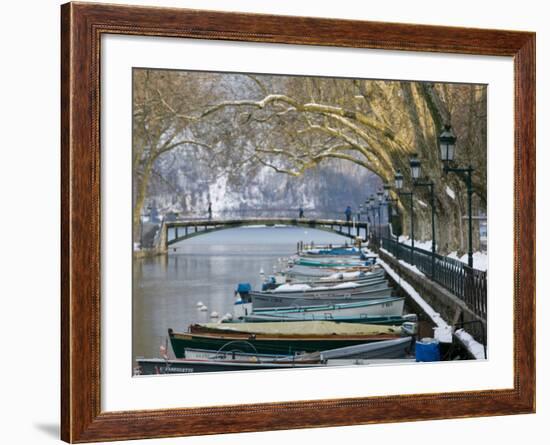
[
  {"x": 300, "y": 212},
  {"x": 209, "y": 210},
  {"x": 348, "y": 213}
]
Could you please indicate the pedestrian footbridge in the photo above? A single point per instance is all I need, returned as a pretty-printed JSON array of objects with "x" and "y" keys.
[{"x": 173, "y": 232}]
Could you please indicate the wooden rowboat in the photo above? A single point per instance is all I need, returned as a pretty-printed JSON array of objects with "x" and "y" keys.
[
  {"x": 201, "y": 360},
  {"x": 387, "y": 307},
  {"x": 297, "y": 329},
  {"x": 273, "y": 300},
  {"x": 154, "y": 366},
  {"x": 388, "y": 320},
  {"x": 273, "y": 343}
]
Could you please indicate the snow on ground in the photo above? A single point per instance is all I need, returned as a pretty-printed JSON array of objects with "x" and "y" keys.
[
  {"x": 476, "y": 348},
  {"x": 480, "y": 259},
  {"x": 415, "y": 269},
  {"x": 443, "y": 331},
  {"x": 426, "y": 245},
  {"x": 450, "y": 192}
]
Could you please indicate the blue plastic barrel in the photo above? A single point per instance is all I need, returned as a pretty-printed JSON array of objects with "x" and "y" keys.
[
  {"x": 427, "y": 350},
  {"x": 244, "y": 288}
]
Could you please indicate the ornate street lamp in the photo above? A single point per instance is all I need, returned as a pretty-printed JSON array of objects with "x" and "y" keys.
[
  {"x": 447, "y": 141},
  {"x": 387, "y": 189},
  {"x": 447, "y": 145},
  {"x": 399, "y": 186},
  {"x": 416, "y": 173},
  {"x": 380, "y": 194},
  {"x": 414, "y": 163},
  {"x": 398, "y": 180}
]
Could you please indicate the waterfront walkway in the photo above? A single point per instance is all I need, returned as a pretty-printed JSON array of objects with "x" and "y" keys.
[{"x": 455, "y": 294}]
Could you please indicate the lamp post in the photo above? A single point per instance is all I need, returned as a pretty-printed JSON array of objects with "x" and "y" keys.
[
  {"x": 368, "y": 202},
  {"x": 380, "y": 195},
  {"x": 369, "y": 216},
  {"x": 392, "y": 211},
  {"x": 399, "y": 187},
  {"x": 372, "y": 202},
  {"x": 369, "y": 221},
  {"x": 378, "y": 202},
  {"x": 447, "y": 143},
  {"x": 415, "y": 165}
]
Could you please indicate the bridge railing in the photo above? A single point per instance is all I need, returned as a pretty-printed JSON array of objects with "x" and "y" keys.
[
  {"x": 336, "y": 214},
  {"x": 467, "y": 283}
]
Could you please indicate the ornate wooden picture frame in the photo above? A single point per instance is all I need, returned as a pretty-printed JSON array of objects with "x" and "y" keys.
[{"x": 82, "y": 27}]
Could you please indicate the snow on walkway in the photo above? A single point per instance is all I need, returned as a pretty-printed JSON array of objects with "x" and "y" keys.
[
  {"x": 477, "y": 349},
  {"x": 443, "y": 332},
  {"x": 409, "y": 266}
]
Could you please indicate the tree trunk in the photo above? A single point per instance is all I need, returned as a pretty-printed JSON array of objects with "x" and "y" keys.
[{"x": 141, "y": 192}]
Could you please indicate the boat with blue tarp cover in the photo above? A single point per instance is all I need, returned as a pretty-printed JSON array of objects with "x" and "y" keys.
[{"x": 334, "y": 262}]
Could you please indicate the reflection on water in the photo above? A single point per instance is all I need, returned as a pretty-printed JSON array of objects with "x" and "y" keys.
[{"x": 206, "y": 268}]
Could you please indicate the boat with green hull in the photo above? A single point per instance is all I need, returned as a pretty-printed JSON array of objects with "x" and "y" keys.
[{"x": 270, "y": 343}]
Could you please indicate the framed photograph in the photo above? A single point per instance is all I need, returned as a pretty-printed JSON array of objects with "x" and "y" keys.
[{"x": 275, "y": 222}]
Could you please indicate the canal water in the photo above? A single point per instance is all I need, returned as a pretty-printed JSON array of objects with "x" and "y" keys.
[{"x": 206, "y": 269}]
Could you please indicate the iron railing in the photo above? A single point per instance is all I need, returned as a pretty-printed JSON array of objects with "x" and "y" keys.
[{"x": 468, "y": 284}]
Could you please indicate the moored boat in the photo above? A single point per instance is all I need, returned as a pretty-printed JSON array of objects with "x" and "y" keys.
[
  {"x": 395, "y": 348},
  {"x": 153, "y": 366},
  {"x": 276, "y": 343},
  {"x": 389, "y": 320},
  {"x": 235, "y": 351},
  {"x": 333, "y": 262},
  {"x": 302, "y": 329},
  {"x": 392, "y": 306},
  {"x": 332, "y": 251},
  {"x": 327, "y": 289},
  {"x": 299, "y": 271},
  {"x": 360, "y": 277},
  {"x": 272, "y": 300}
]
